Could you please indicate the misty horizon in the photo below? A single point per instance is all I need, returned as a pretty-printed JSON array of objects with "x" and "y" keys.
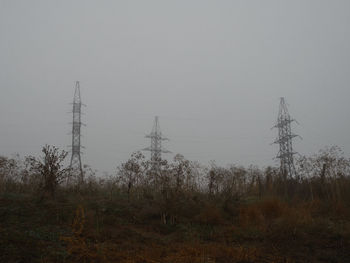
[{"x": 212, "y": 72}]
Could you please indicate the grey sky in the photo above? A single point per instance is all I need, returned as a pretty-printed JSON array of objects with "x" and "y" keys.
[{"x": 212, "y": 70}]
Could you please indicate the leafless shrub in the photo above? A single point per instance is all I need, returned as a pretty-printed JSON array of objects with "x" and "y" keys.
[{"x": 49, "y": 168}]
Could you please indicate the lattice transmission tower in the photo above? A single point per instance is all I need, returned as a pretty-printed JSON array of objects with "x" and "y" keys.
[
  {"x": 285, "y": 137},
  {"x": 75, "y": 163},
  {"x": 156, "y": 148}
]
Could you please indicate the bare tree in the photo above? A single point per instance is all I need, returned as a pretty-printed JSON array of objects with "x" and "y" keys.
[
  {"x": 181, "y": 170},
  {"x": 130, "y": 173},
  {"x": 9, "y": 172},
  {"x": 325, "y": 173},
  {"x": 49, "y": 168}
]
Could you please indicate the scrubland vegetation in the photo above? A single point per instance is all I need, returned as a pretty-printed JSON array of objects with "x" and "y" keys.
[{"x": 186, "y": 213}]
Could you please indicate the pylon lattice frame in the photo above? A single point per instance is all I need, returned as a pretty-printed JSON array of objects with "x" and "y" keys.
[
  {"x": 284, "y": 140},
  {"x": 75, "y": 163},
  {"x": 156, "y": 148}
]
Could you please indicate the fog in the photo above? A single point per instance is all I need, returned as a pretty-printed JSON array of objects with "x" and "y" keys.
[{"x": 213, "y": 71}]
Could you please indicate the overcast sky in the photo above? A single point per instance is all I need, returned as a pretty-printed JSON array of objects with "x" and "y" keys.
[{"x": 212, "y": 70}]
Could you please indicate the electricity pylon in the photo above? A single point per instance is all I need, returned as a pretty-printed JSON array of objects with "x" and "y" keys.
[
  {"x": 285, "y": 137},
  {"x": 75, "y": 163},
  {"x": 156, "y": 145}
]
